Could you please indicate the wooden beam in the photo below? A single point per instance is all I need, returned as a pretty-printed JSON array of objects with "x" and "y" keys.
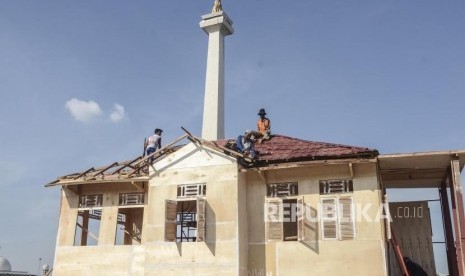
[
  {"x": 299, "y": 164},
  {"x": 90, "y": 233},
  {"x": 127, "y": 165},
  {"x": 235, "y": 153},
  {"x": 106, "y": 169},
  {"x": 208, "y": 143},
  {"x": 262, "y": 175},
  {"x": 137, "y": 186},
  {"x": 84, "y": 173},
  {"x": 85, "y": 225},
  {"x": 73, "y": 188},
  {"x": 163, "y": 149},
  {"x": 448, "y": 232},
  {"x": 351, "y": 169},
  {"x": 457, "y": 213},
  {"x": 106, "y": 180},
  {"x": 155, "y": 155}
]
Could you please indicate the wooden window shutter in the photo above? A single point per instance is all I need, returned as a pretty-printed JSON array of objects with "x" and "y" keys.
[
  {"x": 170, "y": 220},
  {"x": 301, "y": 223},
  {"x": 329, "y": 218},
  {"x": 346, "y": 218},
  {"x": 201, "y": 219},
  {"x": 274, "y": 219}
]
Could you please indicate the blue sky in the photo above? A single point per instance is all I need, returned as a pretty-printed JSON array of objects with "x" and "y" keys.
[{"x": 83, "y": 82}]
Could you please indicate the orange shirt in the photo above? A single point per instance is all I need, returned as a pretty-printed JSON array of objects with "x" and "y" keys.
[{"x": 263, "y": 125}]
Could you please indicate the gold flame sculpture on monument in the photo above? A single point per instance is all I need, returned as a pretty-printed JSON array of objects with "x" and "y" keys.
[{"x": 217, "y": 6}]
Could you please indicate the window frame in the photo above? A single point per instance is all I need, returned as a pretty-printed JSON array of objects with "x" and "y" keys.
[
  {"x": 274, "y": 230},
  {"x": 274, "y": 194},
  {"x": 201, "y": 191},
  {"x": 172, "y": 223},
  {"x": 135, "y": 236},
  {"x": 347, "y": 182},
  {"x": 340, "y": 221},
  {"x": 87, "y": 218}
]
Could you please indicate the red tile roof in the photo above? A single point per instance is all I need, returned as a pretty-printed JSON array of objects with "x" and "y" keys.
[{"x": 286, "y": 149}]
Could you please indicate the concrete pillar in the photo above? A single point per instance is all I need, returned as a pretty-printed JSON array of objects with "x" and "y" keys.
[{"x": 217, "y": 25}]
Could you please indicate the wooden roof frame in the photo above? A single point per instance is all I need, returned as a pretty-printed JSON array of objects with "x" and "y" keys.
[
  {"x": 137, "y": 169},
  {"x": 406, "y": 170}
]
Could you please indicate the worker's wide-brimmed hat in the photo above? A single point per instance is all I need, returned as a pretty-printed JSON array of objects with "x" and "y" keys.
[{"x": 261, "y": 111}]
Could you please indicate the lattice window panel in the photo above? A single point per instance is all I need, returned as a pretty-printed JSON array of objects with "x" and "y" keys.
[
  {"x": 192, "y": 190},
  {"x": 90, "y": 201},
  {"x": 336, "y": 186},
  {"x": 131, "y": 199},
  {"x": 121, "y": 219},
  {"x": 282, "y": 189},
  {"x": 93, "y": 214}
]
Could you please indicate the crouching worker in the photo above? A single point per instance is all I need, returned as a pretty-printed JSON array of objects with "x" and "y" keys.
[
  {"x": 245, "y": 144},
  {"x": 263, "y": 126}
]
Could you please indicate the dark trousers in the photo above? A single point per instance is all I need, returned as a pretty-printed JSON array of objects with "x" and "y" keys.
[{"x": 150, "y": 150}]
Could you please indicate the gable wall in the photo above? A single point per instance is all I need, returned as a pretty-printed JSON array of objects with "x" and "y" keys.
[{"x": 219, "y": 254}]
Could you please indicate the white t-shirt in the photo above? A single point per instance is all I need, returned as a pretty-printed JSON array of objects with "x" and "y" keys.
[{"x": 153, "y": 141}]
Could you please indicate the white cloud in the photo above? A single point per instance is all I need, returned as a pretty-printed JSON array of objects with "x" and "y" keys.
[
  {"x": 83, "y": 111},
  {"x": 118, "y": 113}
]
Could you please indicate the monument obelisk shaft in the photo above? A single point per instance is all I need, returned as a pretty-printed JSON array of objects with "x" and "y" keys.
[{"x": 217, "y": 25}]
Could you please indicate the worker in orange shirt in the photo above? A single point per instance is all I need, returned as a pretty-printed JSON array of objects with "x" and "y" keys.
[{"x": 263, "y": 125}]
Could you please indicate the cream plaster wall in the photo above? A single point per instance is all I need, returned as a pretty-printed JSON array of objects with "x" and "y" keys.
[
  {"x": 235, "y": 230},
  {"x": 362, "y": 256}
]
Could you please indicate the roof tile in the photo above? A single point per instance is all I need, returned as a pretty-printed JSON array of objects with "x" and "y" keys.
[{"x": 283, "y": 149}]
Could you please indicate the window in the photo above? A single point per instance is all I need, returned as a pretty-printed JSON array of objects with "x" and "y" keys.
[
  {"x": 191, "y": 190},
  {"x": 90, "y": 201},
  {"x": 284, "y": 217},
  {"x": 282, "y": 189},
  {"x": 130, "y": 218},
  {"x": 288, "y": 220},
  {"x": 131, "y": 199},
  {"x": 185, "y": 220},
  {"x": 337, "y": 220},
  {"x": 88, "y": 220},
  {"x": 336, "y": 186}
]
